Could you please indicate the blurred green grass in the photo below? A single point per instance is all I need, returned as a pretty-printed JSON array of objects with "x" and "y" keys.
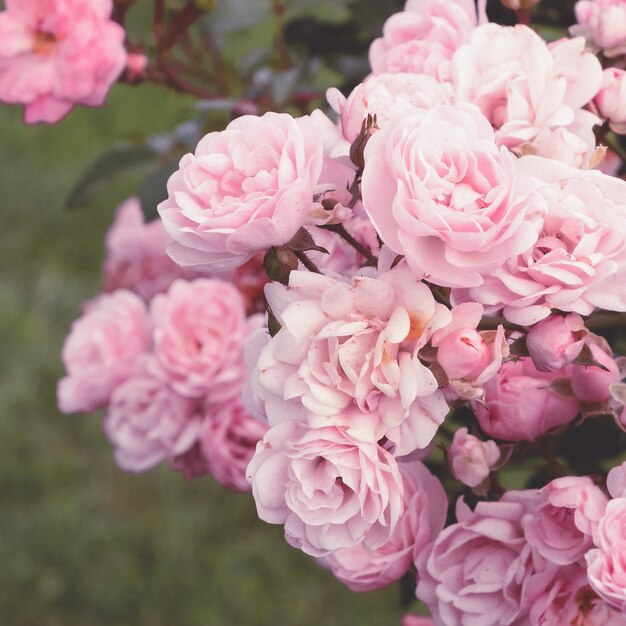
[{"x": 82, "y": 543}]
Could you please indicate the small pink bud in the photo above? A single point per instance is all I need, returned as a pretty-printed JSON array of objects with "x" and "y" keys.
[
  {"x": 611, "y": 97},
  {"x": 556, "y": 341},
  {"x": 471, "y": 459},
  {"x": 462, "y": 353},
  {"x": 136, "y": 63},
  {"x": 591, "y": 383}
]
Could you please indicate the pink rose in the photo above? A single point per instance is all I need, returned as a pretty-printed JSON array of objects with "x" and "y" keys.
[
  {"x": 556, "y": 341},
  {"x": 148, "y": 422},
  {"x": 591, "y": 383},
  {"x": 531, "y": 93},
  {"x": 135, "y": 254},
  {"x": 603, "y": 22},
  {"x": 425, "y": 509},
  {"x": 102, "y": 349},
  {"x": 521, "y": 403},
  {"x": 439, "y": 191},
  {"x": 616, "y": 481},
  {"x": 610, "y": 99},
  {"x": 482, "y": 570},
  {"x": 245, "y": 189},
  {"x": 606, "y": 565},
  {"x": 347, "y": 355},
  {"x": 330, "y": 490},
  {"x": 55, "y": 54},
  {"x": 471, "y": 459},
  {"x": 422, "y": 38},
  {"x": 416, "y": 620},
  {"x": 199, "y": 332},
  {"x": 566, "y": 518}
]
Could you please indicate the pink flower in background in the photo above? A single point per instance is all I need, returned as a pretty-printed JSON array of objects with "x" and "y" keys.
[
  {"x": 521, "y": 403},
  {"x": 482, "y": 570},
  {"x": 530, "y": 92},
  {"x": 591, "y": 383},
  {"x": 102, "y": 349},
  {"x": 136, "y": 257},
  {"x": 425, "y": 509},
  {"x": 616, "y": 481},
  {"x": 416, "y": 620},
  {"x": 603, "y": 23},
  {"x": 199, "y": 332},
  {"x": 245, "y": 189},
  {"x": 148, "y": 422},
  {"x": 422, "y": 38},
  {"x": 471, "y": 459},
  {"x": 439, "y": 191},
  {"x": 610, "y": 99},
  {"x": 329, "y": 489},
  {"x": 55, "y": 54}
]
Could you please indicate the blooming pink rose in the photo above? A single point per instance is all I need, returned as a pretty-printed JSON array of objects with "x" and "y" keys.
[
  {"x": 148, "y": 422},
  {"x": 530, "y": 92},
  {"x": 579, "y": 261},
  {"x": 55, "y": 54},
  {"x": 611, "y": 164},
  {"x": 386, "y": 96},
  {"x": 471, "y": 459},
  {"x": 439, "y": 191},
  {"x": 101, "y": 350},
  {"x": 135, "y": 254},
  {"x": 245, "y": 189},
  {"x": 606, "y": 565},
  {"x": 481, "y": 570},
  {"x": 603, "y": 22},
  {"x": 566, "y": 518},
  {"x": 556, "y": 341},
  {"x": 425, "y": 509},
  {"x": 521, "y": 403},
  {"x": 610, "y": 99},
  {"x": 591, "y": 383},
  {"x": 616, "y": 481},
  {"x": 199, "y": 331},
  {"x": 347, "y": 355},
  {"x": 330, "y": 490},
  {"x": 422, "y": 38}
]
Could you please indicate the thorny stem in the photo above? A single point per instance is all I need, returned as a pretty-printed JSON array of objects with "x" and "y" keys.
[
  {"x": 354, "y": 189},
  {"x": 304, "y": 259},
  {"x": 339, "y": 229},
  {"x": 185, "y": 18},
  {"x": 555, "y": 468},
  {"x": 523, "y": 16}
]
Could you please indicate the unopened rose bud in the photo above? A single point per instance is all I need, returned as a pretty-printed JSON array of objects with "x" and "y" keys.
[
  {"x": 611, "y": 97},
  {"x": 136, "y": 63},
  {"x": 591, "y": 383},
  {"x": 357, "y": 149},
  {"x": 462, "y": 353},
  {"x": 471, "y": 459},
  {"x": 516, "y": 5},
  {"x": 556, "y": 341}
]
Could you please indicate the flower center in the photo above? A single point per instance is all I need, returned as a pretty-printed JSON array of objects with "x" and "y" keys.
[{"x": 44, "y": 42}]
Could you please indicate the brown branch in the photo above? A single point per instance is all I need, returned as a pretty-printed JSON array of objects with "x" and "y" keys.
[
  {"x": 304, "y": 259},
  {"x": 185, "y": 18},
  {"x": 339, "y": 229}
]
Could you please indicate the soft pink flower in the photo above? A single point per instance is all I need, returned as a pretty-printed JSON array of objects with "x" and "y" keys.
[
  {"x": 556, "y": 341},
  {"x": 330, "y": 490},
  {"x": 439, "y": 191},
  {"x": 55, "y": 54},
  {"x": 148, "y": 422},
  {"x": 531, "y": 93},
  {"x": 136, "y": 63},
  {"x": 425, "y": 509},
  {"x": 245, "y": 189},
  {"x": 611, "y": 164},
  {"x": 135, "y": 254},
  {"x": 471, "y": 459},
  {"x": 579, "y": 261},
  {"x": 606, "y": 565},
  {"x": 566, "y": 519},
  {"x": 416, "y": 620},
  {"x": 616, "y": 481},
  {"x": 102, "y": 349},
  {"x": 610, "y": 99},
  {"x": 591, "y": 383},
  {"x": 199, "y": 332},
  {"x": 347, "y": 355},
  {"x": 481, "y": 570},
  {"x": 521, "y": 403},
  {"x": 603, "y": 23},
  {"x": 422, "y": 38}
]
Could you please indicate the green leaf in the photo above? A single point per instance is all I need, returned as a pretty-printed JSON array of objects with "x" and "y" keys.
[
  {"x": 154, "y": 188},
  {"x": 108, "y": 165}
]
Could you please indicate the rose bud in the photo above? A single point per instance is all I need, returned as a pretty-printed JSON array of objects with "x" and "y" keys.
[
  {"x": 470, "y": 458},
  {"x": 590, "y": 383},
  {"x": 611, "y": 97},
  {"x": 556, "y": 341}
]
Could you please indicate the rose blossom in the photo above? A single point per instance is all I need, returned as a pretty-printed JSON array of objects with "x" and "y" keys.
[
  {"x": 425, "y": 509},
  {"x": 439, "y": 191},
  {"x": 200, "y": 328},
  {"x": 422, "y": 38},
  {"x": 616, "y": 481},
  {"x": 591, "y": 383},
  {"x": 101, "y": 350},
  {"x": 55, "y": 54},
  {"x": 603, "y": 22},
  {"x": 416, "y": 620},
  {"x": 556, "y": 341},
  {"x": 610, "y": 99},
  {"x": 606, "y": 565},
  {"x": 531, "y": 93},
  {"x": 566, "y": 518},
  {"x": 521, "y": 403},
  {"x": 245, "y": 189},
  {"x": 482, "y": 570},
  {"x": 148, "y": 422},
  {"x": 329, "y": 489},
  {"x": 471, "y": 459},
  {"x": 135, "y": 254},
  {"x": 347, "y": 355}
]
